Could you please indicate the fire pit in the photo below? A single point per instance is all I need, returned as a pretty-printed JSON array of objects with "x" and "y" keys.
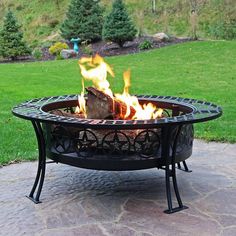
[{"x": 66, "y": 136}]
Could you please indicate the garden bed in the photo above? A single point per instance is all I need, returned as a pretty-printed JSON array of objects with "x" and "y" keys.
[
  {"x": 107, "y": 49},
  {"x": 112, "y": 49}
]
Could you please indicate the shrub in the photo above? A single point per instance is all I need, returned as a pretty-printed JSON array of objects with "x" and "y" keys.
[
  {"x": 230, "y": 29},
  {"x": 37, "y": 54},
  {"x": 223, "y": 29},
  {"x": 84, "y": 19},
  {"x": 11, "y": 38},
  {"x": 56, "y": 48},
  {"x": 180, "y": 26},
  {"x": 118, "y": 26},
  {"x": 35, "y": 43},
  {"x": 46, "y": 44},
  {"x": 217, "y": 30},
  {"x": 146, "y": 44},
  {"x": 59, "y": 57},
  {"x": 87, "y": 49},
  {"x": 43, "y": 30}
]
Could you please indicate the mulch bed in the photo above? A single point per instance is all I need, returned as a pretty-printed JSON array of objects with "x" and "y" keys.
[
  {"x": 112, "y": 49},
  {"x": 108, "y": 49}
]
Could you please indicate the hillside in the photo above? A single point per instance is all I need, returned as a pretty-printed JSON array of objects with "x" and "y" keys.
[{"x": 41, "y": 18}]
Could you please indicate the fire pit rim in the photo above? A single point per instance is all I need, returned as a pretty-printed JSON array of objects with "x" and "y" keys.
[{"x": 200, "y": 111}]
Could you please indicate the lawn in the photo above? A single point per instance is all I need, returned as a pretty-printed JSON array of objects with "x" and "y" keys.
[{"x": 201, "y": 70}]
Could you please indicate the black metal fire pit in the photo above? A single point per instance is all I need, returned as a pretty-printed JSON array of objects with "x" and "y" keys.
[{"x": 116, "y": 145}]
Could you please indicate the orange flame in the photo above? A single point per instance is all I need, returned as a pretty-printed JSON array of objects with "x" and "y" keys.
[
  {"x": 96, "y": 70},
  {"x": 98, "y": 74},
  {"x": 146, "y": 111},
  {"x": 82, "y": 103}
]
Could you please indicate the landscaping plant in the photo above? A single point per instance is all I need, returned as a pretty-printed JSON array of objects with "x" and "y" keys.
[
  {"x": 56, "y": 48},
  {"x": 118, "y": 26},
  {"x": 11, "y": 38},
  {"x": 146, "y": 44},
  {"x": 37, "y": 54},
  {"x": 84, "y": 19},
  {"x": 87, "y": 49}
]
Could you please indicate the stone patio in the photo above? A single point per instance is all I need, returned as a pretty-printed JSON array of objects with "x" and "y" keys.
[{"x": 98, "y": 203}]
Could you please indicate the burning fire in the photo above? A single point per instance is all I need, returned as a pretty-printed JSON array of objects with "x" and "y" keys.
[{"x": 96, "y": 70}]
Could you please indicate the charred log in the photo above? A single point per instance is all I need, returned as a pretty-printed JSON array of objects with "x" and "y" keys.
[
  {"x": 99, "y": 105},
  {"x": 102, "y": 106}
]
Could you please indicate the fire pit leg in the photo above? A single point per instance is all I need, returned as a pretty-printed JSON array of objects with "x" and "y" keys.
[
  {"x": 38, "y": 183},
  {"x": 186, "y": 169},
  {"x": 171, "y": 172}
]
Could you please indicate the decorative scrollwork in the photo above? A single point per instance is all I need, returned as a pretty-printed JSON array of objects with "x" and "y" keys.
[
  {"x": 116, "y": 144},
  {"x": 147, "y": 143},
  {"x": 69, "y": 110},
  {"x": 86, "y": 143},
  {"x": 185, "y": 139},
  {"x": 61, "y": 139}
]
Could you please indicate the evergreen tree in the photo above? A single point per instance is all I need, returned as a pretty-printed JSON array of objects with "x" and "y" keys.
[
  {"x": 118, "y": 26},
  {"x": 11, "y": 38},
  {"x": 84, "y": 19}
]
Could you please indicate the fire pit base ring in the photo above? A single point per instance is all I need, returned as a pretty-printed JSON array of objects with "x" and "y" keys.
[
  {"x": 33, "y": 200},
  {"x": 176, "y": 209},
  {"x": 116, "y": 145}
]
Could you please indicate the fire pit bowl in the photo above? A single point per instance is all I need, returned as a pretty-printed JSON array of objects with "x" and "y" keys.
[{"x": 116, "y": 145}]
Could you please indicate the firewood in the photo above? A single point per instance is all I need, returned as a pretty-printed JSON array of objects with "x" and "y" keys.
[
  {"x": 102, "y": 106},
  {"x": 99, "y": 105},
  {"x": 121, "y": 109}
]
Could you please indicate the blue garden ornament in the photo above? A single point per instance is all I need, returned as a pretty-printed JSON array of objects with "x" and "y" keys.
[{"x": 76, "y": 44}]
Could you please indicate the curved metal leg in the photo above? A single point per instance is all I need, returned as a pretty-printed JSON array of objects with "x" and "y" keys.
[
  {"x": 185, "y": 167},
  {"x": 170, "y": 172},
  {"x": 38, "y": 183}
]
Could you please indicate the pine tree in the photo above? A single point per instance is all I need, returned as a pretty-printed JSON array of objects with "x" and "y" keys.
[
  {"x": 118, "y": 26},
  {"x": 11, "y": 38},
  {"x": 84, "y": 19}
]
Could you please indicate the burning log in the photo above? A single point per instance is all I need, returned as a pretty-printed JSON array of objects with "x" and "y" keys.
[
  {"x": 102, "y": 106},
  {"x": 99, "y": 105}
]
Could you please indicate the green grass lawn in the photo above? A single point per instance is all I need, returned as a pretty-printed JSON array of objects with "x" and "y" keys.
[{"x": 201, "y": 70}]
